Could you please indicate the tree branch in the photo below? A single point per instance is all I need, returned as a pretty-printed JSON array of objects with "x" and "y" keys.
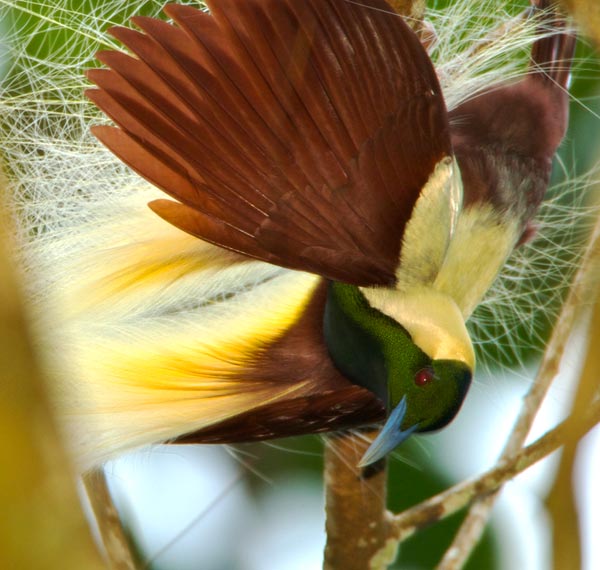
[
  {"x": 114, "y": 539},
  {"x": 355, "y": 499},
  {"x": 474, "y": 524},
  {"x": 405, "y": 524},
  {"x": 561, "y": 502}
]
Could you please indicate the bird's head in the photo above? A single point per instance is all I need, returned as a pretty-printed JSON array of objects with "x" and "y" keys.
[{"x": 411, "y": 349}]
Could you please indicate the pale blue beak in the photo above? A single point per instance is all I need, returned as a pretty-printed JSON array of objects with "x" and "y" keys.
[{"x": 390, "y": 436}]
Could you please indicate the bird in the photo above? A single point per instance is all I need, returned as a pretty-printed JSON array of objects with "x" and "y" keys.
[{"x": 313, "y": 136}]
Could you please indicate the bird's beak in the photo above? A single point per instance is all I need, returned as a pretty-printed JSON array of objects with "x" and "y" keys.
[{"x": 390, "y": 436}]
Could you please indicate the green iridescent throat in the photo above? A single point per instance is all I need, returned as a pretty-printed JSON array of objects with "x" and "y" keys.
[
  {"x": 374, "y": 351},
  {"x": 367, "y": 346}
]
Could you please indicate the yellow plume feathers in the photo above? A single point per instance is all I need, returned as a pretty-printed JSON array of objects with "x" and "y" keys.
[{"x": 150, "y": 328}]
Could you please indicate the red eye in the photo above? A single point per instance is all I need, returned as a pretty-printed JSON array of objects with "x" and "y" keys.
[{"x": 424, "y": 376}]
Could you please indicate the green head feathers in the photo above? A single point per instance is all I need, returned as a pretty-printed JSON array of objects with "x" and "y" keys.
[{"x": 377, "y": 351}]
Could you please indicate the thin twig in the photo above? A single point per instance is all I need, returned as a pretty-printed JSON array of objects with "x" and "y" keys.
[
  {"x": 566, "y": 543},
  {"x": 215, "y": 502},
  {"x": 114, "y": 539},
  {"x": 405, "y": 524},
  {"x": 566, "y": 551},
  {"x": 472, "y": 528}
]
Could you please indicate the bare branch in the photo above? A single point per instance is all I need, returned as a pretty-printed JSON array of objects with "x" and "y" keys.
[
  {"x": 561, "y": 500},
  {"x": 356, "y": 525},
  {"x": 114, "y": 538},
  {"x": 474, "y": 524},
  {"x": 405, "y": 524}
]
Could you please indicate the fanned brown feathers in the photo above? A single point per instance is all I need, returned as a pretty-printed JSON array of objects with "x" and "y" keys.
[{"x": 293, "y": 131}]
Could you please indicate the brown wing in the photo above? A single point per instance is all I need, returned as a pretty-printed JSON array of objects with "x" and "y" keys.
[{"x": 299, "y": 132}]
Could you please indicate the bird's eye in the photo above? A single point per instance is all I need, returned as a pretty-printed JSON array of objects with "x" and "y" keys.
[{"x": 424, "y": 376}]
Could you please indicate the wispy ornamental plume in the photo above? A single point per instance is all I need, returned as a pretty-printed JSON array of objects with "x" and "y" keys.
[{"x": 153, "y": 334}]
